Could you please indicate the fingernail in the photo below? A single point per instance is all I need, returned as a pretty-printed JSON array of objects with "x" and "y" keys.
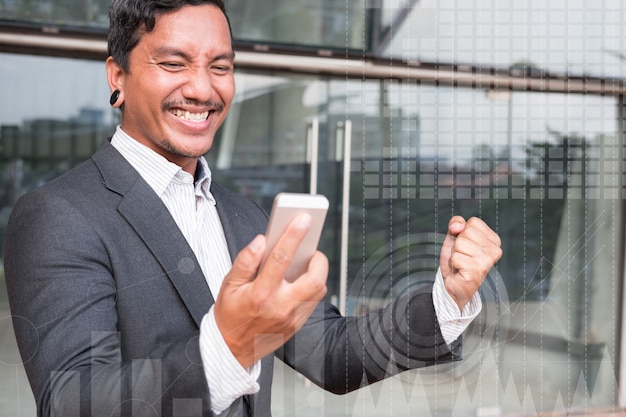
[
  {"x": 256, "y": 245},
  {"x": 303, "y": 220}
]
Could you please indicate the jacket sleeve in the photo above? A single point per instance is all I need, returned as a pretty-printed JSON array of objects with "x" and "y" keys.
[{"x": 357, "y": 351}]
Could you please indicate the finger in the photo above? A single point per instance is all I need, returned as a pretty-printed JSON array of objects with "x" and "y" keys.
[
  {"x": 280, "y": 256},
  {"x": 468, "y": 268},
  {"x": 456, "y": 225},
  {"x": 311, "y": 286},
  {"x": 247, "y": 261},
  {"x": 485, "y": 232},
  {"x": 494, "y": 237},
  {"x": 475, "y": 244}
]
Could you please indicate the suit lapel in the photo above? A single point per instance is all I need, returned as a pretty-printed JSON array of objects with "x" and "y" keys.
[
  {"x": 229, "y": 221},
  {"x": 241, "y": 220},
  {"x": 151, "y": 220}
]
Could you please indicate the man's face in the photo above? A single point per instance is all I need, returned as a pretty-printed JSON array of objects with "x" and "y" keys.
[{"x": 180, "y": 84}]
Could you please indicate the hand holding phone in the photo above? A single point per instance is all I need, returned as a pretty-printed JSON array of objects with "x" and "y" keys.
[{"x": 286, "y": 206}]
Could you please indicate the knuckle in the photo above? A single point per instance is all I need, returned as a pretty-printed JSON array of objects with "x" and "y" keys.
[
  {"x": 283, "y": 316},
  {"x": 319, "y": 286},
  {"x": 261, "y": 300},
  {"x": 473, "y": 222},
  {"x": 281, "y": 257}
]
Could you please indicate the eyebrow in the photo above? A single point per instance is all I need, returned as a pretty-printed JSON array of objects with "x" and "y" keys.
[{"x": 167, "y": 51}]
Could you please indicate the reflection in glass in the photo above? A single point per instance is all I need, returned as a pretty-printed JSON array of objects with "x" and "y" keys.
[
  {"x": 76, "y": 13},
  {"x": 327, "y": 24},
  {"x": 54, "y": 114}
]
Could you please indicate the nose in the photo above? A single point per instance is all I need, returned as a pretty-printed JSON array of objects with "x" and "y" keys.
[{"x": 199, "y": 85}]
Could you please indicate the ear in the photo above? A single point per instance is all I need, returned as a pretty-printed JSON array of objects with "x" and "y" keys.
[{"x": 115, "y": 77}]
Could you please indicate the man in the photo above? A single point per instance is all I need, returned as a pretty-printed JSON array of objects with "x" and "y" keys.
[{"x": 135, "y": 280}]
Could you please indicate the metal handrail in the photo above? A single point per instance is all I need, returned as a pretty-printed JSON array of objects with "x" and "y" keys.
[{"x": 513, "y": 79}]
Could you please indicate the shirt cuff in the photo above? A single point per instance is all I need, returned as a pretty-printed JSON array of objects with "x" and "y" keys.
[
  {"x": 226, "y": 378},
  {"x": 452, "y": 321}
]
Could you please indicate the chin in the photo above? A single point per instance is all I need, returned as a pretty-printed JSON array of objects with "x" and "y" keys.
[{"x": 186, "y": 152}]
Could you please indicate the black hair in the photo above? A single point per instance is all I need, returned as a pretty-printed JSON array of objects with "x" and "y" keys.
[{"x": 130, "y": 19}]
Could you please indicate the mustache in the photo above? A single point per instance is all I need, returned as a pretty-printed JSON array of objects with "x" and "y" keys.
[{"x": 218, "y": 106}]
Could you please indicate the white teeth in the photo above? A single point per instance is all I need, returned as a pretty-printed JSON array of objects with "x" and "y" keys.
[{"x": 193, "y": 117}]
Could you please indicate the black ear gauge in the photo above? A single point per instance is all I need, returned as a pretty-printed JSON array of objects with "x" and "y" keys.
[{"x": 114, "y": 97}]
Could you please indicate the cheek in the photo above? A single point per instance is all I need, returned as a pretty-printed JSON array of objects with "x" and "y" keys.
[{"x": 226, "y": 89}]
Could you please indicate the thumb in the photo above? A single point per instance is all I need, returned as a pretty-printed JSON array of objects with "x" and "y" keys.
[
  {"x": 455, "y": 226},
  {"x": 247, "y": 262}
]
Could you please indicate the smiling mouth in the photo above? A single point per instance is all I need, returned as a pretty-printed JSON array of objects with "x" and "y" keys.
[{"x": 189, "y": 116}]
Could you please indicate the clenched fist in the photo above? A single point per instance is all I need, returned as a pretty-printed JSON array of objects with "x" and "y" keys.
[{"x": 469, "y": 251}]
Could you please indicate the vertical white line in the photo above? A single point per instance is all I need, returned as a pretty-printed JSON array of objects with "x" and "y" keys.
[
  {"x": 621, "y": 131},
  {"x": 312, "y": 150},
  {"x": 345, "y": 216}
]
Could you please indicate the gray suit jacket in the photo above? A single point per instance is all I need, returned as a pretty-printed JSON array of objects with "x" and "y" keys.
[{"x": 107, "y": 298}]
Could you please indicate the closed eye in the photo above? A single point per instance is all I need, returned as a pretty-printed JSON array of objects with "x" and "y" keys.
[
  {"x": 172, "y": 66},
  {"x": 221, "y": 69}
]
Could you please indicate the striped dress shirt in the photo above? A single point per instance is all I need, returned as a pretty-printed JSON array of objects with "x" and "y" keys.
[{"x": 192, "y": 206}]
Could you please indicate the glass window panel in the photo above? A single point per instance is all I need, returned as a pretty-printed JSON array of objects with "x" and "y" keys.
[
  {"x": 324, "y": 24},
  {"x": 575, "y": 37},
  {"x": 328, "y": 24},
  {"x": 542, "y": 169},
  {"x": 55, "y": 113},
  {"x": 535, "y": 166},
  {"x": 76, "y": 13},
  {"x": 548, "y": 327}
]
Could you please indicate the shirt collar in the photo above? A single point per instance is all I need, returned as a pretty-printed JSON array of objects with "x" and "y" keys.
[
  {"x": 156, "y": 170},
  {"x": 204, "y": 179}
]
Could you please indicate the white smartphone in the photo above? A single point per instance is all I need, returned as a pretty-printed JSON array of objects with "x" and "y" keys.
[{"x": 286, "y": 206}]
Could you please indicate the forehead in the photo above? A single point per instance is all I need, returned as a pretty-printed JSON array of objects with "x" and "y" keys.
[{"x": 203, "y": 27}]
